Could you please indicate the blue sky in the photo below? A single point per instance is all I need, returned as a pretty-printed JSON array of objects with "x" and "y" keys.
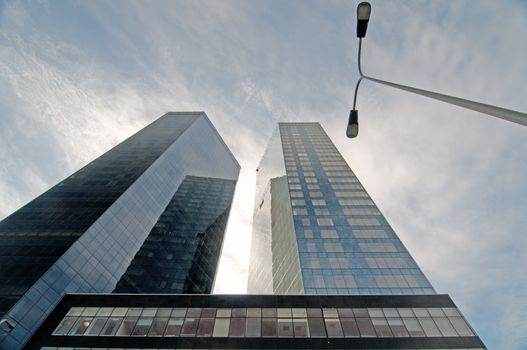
[{"x": 77, "y": 77}]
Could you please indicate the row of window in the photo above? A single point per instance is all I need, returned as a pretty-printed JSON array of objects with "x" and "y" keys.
[{"x": 267, "y": 322}]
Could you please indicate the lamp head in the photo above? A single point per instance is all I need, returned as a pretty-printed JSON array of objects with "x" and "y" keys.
[
  {"x": 363, "y": 16},
  {"x": 353, "y": 124}
]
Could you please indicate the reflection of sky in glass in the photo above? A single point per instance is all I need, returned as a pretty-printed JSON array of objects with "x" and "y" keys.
[
  {"x": 344, "y": 244},
  {"x": 98, "y": 258}
]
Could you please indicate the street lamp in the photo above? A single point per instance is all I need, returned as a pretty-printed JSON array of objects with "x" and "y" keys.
[{"x": 363, "y": 16}]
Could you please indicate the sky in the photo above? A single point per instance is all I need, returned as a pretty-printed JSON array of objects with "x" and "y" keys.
[{"x": 78, "y": 77}]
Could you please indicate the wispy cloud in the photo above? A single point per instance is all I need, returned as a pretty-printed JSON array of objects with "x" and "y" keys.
[{"x": 77, "y": 78}]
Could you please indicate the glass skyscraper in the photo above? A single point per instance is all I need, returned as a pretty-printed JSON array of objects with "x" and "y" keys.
[
  {"x": 316, "y": 229},
  {"x": 327, "y": 272},
  {"x": 147, "y": 216}
]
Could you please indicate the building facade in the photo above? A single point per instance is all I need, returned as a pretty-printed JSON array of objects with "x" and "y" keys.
[
  {"x": 316, "y": 229},
  {"x": 139, "y": 321},
  {"x": 166, "y": 190},
  {"x": 329, "y": 271}
]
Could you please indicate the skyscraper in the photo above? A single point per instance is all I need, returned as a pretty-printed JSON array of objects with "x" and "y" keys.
[
  {"x": 147, "y": 216},
  {"x": 316, "y": 229}
]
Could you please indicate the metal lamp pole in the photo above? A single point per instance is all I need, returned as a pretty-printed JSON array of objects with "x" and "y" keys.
[{"x": 363, "y": 16}]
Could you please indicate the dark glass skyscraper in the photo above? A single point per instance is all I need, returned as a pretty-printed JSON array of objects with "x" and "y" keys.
[
  {"x": 147, "y": 216},
  {"x": 316, "y": 229}
]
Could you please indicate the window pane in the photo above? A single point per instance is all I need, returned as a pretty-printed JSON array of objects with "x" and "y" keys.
[
  {"x": 134, "y": 312},
  {"x": 316, "y": 327},
  {"x": 119, "y": 312},
  {"x": 223, "y": 313},
  {"x": 314, "y": 313},
  {"x": 80, "y": 326},
  {"x": 398, "y": 328},
  {"x": 381, "y": 327},
  {"x": 451, "y": 311},
  {"x": 164, "y": 312},
  {"x": 361, "y": 313},
  {"x": 254, "y": 312},
  {"x": 179, "y": 312},
  {"x": 429, "y": 327},
  {"x": 330, "y": 313},
  {"x": 300, "y": 327},
  {"x": 190, "y": 326},
  {"x": 267, "y": 312},
  {"x": 421, "y": 312},
  {"x": 284, "y": 313},
  {"x": 436, "y": 312},
  {"x": 149, "y": 312},
  {"x": 158, "y": 326},
  {"x": 127, "y": 326},
  {"x": 111, "y": 326},
  {"x": 90, "y": 311},
  {"x": 239, "y": 312},
  {"x": 174, "y": 327},
  {"x": 75, "y": 311},
  {"x": 461, "y": 326},
  {"x": 349, "y": 326},
  {"x": 253, "y": 325},
  {"x": 345, "y": 312},
  {"x": 96, "y": 326},
  {"x": 445, "y": 327},
  {"x": 285, "y": 327},
  {"x": 221, "y": 327},
  {"x": 334, "y": 328},
  {"x": 206, "y": 325},
  {"x": 143, "y": 326},
  {"x": 268, "y": 327},
  {"x": 299, "y": 313},
  {"x": 194, "y": 312},
  {"x": 365, "y": 327},
  {"x": 414, "y": 328},
  {"x": 105, "y": 311},
  {"x": 65, "y": 326},
  {"x": 237, "y": 328},
  {"x": 208, "y": 313}
]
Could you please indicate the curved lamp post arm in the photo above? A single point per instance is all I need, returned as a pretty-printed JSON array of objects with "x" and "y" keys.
[{"x": 498, "y": 112}]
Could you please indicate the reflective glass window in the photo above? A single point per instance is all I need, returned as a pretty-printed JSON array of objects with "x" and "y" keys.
[
  {"x": 64, "y": 327},
  {"x": 237, "y": 328},
  {"x": 253, "y": 326},
  {"x": 461, "y": 326},
  {"x": 300, "y": 327},
  {"x": 285, "y": 327},
  {"x": 127, "y": 326},
  {"x": 143, "y": 326},
  {"x": 316, "y": 327},
  {"x": 334, "y": 328},
  {"x": 158, "y": 326},
  {"x": 349, "y": 327},
  {"x": 96, "y": 326},
  {"x": 174, "y": 327},
  {"x": 365, "y": 327},
  {"x": 413, "y": 327},
  {"x": 268, "y": 327},
  {"x": 111, "y": 326},
  {"x": 429, "y": 327},
  {"x": 221, "y": 327},
  {"x": 189, "y": 326},
  {"x": 205, "y": 328}
]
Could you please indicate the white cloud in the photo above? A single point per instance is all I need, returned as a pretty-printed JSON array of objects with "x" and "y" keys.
[{"x": 75, "y": 82}]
